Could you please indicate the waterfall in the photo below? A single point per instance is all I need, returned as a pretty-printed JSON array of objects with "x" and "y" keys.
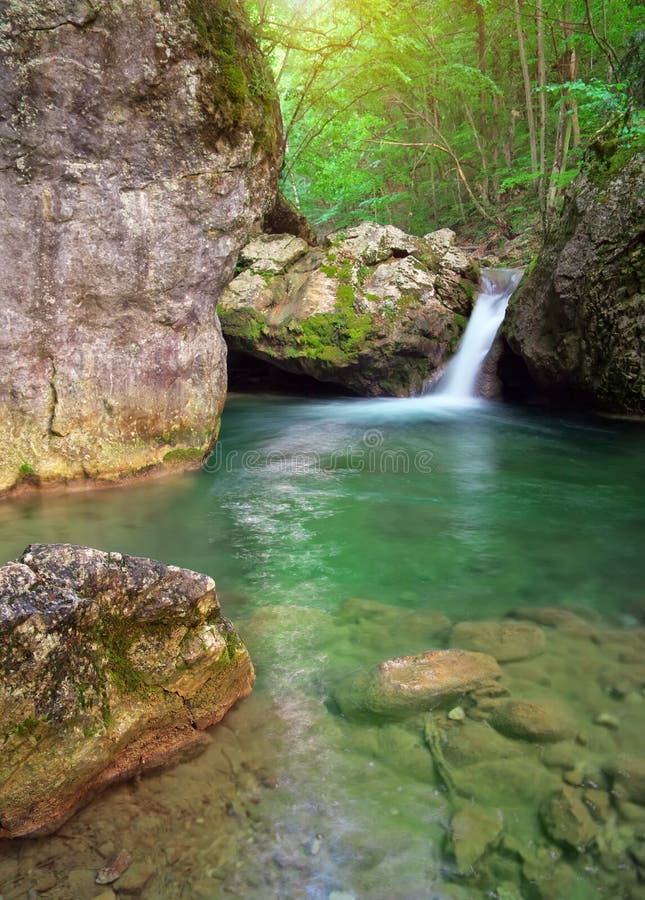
[{"x": 459, "y": 381}]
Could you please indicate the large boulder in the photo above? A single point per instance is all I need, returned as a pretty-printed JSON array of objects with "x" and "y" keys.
[
  {"x": 376, "y": 310},
  {"x": 575, "y": 327},
  {"x": 109, "y": 664},
  {"x": 140, "y": 145}
]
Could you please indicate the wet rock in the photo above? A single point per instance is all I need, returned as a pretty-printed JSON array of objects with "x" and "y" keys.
[
  {"x": 475, "y": 742},
  {"x": 628, "y": 774},
  {"x": 607, "y": 721},
  {"x": 457, "y": 714},
  {"x": 135, "y": 878},
  {"x": 376, "y": 310},
  {"x": 81, "y": 883},
  {"x": 136, "y": 166},
  {"x": 473, "y": 831},
  {"x": 114, "y": 868},
  {"x": 530, "y": 721},
  {"x": 505, "y": 783},
  {"x": 567, "y": 820},
  {"x": 412, "y": 684},
  {"x": 507, "y": 641},
  {"x": 599, "y": 803},
  {"x": 45, "y": 880},
  {"x": 558, "y": 617},
  {"x": 561, "y": 756},
  {"x": 109, "y": 664},
  {"x": 426, "y": 623}
]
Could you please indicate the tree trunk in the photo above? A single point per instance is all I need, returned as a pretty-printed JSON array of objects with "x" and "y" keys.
[{"x": 530, "y": 117}]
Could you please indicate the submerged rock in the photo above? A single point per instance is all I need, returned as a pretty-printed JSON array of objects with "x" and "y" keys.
[
  {"x": 412, "y": 684},
  {"x": 577, "y": 320},
  {"x": 530, "y": 721},
  {"x": 628, "y": 776},
  {"x": 567, "y": 820},
  {"x": 506, "y": 641},
  {"x": 473, "y": 831},
  {"x": 564, "y": 620},
  {"x": 140, "y": 149},
  {"x": 376, "y": 311},
  {"x": 109, "y": 665}
]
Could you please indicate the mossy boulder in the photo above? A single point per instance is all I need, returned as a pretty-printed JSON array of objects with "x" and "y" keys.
[
  {"x": 376, "y": 311},
  {"x": 531, "y": 721},
  {"x": 109, "y": 665},
  {"x": 575, "y": 327}
]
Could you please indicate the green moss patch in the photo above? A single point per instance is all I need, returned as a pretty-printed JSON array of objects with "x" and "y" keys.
[
  {"x": 183, "y": 454},
  {"x": 237, "y": 90}
]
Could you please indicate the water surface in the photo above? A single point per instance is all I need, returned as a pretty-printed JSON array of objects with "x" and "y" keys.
[{"x": 467, "y": 510}]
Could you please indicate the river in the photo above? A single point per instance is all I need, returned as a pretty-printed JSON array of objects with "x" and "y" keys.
[{"x": 341, "y": 533}]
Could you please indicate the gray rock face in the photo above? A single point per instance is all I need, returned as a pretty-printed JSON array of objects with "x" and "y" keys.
[
  {"x": 377, "y": 311},
  {"x": 139, "y": 149},
  {"x": 109, "y": 664},
  {"x": 578, "y": 319}
]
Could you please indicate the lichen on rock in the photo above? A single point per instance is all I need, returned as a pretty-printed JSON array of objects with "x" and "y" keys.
[{"x": 109, "y": 664}]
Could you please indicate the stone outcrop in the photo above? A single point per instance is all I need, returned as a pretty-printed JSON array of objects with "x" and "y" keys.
[
  {"x": 109, "y": 665},
  {"x": 575, "y": 328},
  {"x": 140, "y": 144},
  {"x": 376, "y": 311}
]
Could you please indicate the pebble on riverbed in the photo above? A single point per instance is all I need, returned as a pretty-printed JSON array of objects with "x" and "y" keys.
[{"x": 114, "y": 868}]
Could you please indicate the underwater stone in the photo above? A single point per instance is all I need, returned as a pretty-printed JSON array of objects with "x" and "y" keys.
[
  {"x": 473, "y": 831},
  {"x": 81, "y": 706},
  {"x": 530, "y": 721},
  {"x": 506, "y": 641},
  {"x": 628, "y": 773},
  {"x": 567, "y": 820},
  {"x": 411, "y": 684}
]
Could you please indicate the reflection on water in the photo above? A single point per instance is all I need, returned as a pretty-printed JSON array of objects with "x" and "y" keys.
[{"x": 432, "y": 512}]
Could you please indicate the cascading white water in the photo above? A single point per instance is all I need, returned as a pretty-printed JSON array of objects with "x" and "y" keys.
[{"x": 459, "y": 381}]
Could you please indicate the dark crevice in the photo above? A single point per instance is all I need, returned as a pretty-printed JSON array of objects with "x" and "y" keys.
[
  {"x": 247, "y": 374},
  {"x": 53, "y": 401}
]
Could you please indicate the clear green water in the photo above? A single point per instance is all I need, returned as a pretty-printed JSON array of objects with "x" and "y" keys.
[{"x": 469, "y": 512}]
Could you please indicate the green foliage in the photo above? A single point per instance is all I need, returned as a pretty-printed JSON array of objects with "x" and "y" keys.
[
  {"x": 26, "y": 470},
  {"x": 415, "y": 112}
]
